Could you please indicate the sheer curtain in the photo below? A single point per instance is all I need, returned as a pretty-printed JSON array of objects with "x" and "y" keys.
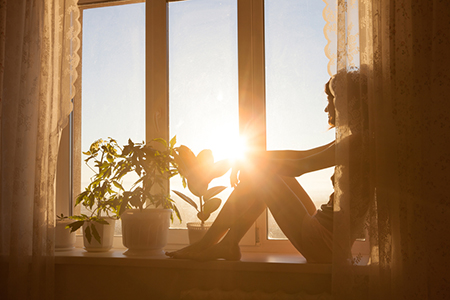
[
  {"x": 402, "y": 48},
  {"x": 38, "y": 49}
]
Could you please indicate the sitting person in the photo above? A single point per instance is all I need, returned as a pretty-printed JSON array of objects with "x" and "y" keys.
[{"x": 267, "y": 179}]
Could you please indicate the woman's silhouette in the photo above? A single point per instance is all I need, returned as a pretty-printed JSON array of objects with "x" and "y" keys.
[{"x": 267, "y": 179}]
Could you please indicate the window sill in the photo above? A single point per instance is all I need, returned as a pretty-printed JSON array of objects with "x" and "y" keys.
[{"x": 250, "y": 261}]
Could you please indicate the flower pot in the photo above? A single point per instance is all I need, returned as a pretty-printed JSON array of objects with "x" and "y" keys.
[
  {"x": 64, "y": 239},
  {"x": 197, "y": 230},
  {"x": 106, "y": 233},
  {"x": 145, "y": 232}
]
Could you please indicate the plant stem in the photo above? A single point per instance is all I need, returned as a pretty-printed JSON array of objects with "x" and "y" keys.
[{"x": 201, "y": 208}]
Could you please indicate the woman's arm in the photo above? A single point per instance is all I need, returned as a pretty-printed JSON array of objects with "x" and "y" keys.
[
  {"x": 296, "y": 154},
  {"x": 296, "y": 163},
  {"x": 286, "y": 162}
]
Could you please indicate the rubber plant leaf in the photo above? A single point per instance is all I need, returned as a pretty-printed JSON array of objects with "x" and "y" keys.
[
  {"x": 187, "y": 199},
  {"x": 219, "y": 168},
  {"x": 213, "y": 191},
  {"x": 185, "y": 159},
  {"x": 203, "y": 216},
  {"x": 211, "y": 205}
]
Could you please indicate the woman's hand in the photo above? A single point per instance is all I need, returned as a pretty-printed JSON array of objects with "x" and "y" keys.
[{"x": 234, "y": 176}]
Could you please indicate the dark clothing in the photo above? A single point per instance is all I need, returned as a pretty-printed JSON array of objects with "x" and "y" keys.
[{"x": 325, "y": 214}]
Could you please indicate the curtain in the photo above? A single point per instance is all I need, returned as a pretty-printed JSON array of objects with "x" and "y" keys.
[
  {"x": 38, "y": 47},
  {"x": 400, "y": 49}
]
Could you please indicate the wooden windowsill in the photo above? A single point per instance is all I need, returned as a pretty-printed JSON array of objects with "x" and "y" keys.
[{"x": 250, "y": 261}]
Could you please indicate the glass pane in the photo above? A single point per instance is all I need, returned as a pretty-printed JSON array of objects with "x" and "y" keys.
[
  {"x": 296, "y": 72},
  {"x": 203, "y": 84},
  {"x": 113, "y": 77}
]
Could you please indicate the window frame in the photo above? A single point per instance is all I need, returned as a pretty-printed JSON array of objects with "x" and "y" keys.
[{"x": 252, "y": 96}]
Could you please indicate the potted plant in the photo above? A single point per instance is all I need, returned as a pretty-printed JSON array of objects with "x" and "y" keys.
[
  {"x": 64, "y": 237},
  {"x": 101, "y": 197},
  {"x": 199, "y": 171},
  {"x": 146, "y": 208}
]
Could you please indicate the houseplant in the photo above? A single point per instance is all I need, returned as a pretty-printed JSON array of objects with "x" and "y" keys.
[
  {"x": 146, "y": 208},
  {"x": 101, "y": 198},
  {"x": 199, "y": 171}
]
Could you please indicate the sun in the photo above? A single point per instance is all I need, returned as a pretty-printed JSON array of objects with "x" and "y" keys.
[{"x": 227, "y": 145}]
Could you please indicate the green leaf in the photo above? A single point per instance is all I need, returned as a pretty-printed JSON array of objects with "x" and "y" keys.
[
  {"x": 101, "y": 221},
  {"x": 162, "y": 141},
  {"x": 75, "y": 225},
  {"x": 88, "y": 234},
  {"x": 173, "y": 141},
  {"x": 213, "y": 191},
  {"x": 203, "y": 216},
  {"x": 187, "y": 199},
  {"x": 79, "y": 218},
  {"x": 135, "y": 200},
  {"x": 95, "y": 233},
  {"x": 123, "y": 206},
  {"x": 211, "y": 205},
  {"x": 118, "y": 185}
]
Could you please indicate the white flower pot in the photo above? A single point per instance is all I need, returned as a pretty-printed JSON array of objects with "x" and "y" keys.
[
  {"x": 64, "y": 239},
  {"x": 144, "y": 232},
  {"x": 196, "y": 231},
  {"x": 106, "y": 233}
]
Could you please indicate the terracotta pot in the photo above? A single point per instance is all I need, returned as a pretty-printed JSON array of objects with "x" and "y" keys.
[
  {"x": 197, "y": 230},
  {"x": 145, "y": 232}
]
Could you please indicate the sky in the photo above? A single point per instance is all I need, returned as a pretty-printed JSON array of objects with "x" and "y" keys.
[{"x": 203, "y": 82}]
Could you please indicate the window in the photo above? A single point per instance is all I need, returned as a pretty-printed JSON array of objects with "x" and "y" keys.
[
  {"x": 203, "y": 84},
  {"x": 229, "y": 62},
  {"x": 296, "y": 72}
]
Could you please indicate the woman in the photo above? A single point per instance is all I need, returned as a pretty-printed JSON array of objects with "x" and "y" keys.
[{"x": 268, "y": 180}]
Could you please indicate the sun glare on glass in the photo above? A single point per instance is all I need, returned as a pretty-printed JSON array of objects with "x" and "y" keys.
[{"x": 227, "y": 145}]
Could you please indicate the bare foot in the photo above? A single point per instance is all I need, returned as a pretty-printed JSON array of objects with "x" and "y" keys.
[
  {"x": 225, "y": 251},
  {"x": 188, "y": 252}
]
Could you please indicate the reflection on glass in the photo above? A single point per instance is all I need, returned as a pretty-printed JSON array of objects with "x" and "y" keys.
[
  {"x": 296, "y": 72},
  {"x": 113, "y": 77},
  {"x": 203, "y": 88}
]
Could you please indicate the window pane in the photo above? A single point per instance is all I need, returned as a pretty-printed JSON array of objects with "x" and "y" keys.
[
  {"x": 203, "y": 84},
  {"x": 113, "y": 77},
  {"x": 296, "y": 72}
]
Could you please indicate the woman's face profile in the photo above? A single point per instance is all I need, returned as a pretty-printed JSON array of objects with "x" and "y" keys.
[{"x": 330, "y": 108}]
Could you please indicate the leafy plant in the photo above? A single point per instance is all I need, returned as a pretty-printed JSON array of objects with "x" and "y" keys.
[
  {"x": 103, "y": 195},
  {"x": 154, "y": 165},
  {"x": 61, "y": 217},
  {"x": 199, "y": 171}
]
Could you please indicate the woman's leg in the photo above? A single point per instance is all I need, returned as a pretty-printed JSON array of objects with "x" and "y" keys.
[
  {"x": 288, "y": 203},
  {"x": 287, "y": 200},
  {"x": 245, "y": 219},
  {"x": 290, "y": 206},
  {"x": 239, "y": 212},
  {"x": 295, "y": 186}
]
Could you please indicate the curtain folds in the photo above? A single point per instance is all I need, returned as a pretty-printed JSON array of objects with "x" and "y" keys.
[
  {"x": 38, "y": 46},
  {"x": 399, "y": 49}
]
